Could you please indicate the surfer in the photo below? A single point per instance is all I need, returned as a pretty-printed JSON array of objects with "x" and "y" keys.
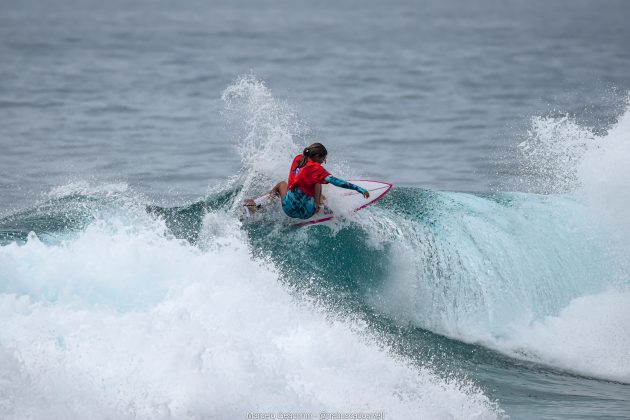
[{"x": 302, "y": 195}]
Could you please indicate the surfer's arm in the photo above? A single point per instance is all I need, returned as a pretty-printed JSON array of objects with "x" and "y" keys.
[{"x": 338, "y": 182}]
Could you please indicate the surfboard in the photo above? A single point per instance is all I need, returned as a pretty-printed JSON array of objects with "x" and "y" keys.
[{"x": 339, "y": 202}]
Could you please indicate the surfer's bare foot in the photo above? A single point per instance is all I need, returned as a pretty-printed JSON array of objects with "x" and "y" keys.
[{"x": 250, "y": 204}]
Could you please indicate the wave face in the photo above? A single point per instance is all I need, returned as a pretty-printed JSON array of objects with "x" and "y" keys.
[{"x": 519, "y": 273}]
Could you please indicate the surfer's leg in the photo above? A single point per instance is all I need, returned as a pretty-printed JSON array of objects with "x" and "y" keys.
[{"x": 280, "y": 189}]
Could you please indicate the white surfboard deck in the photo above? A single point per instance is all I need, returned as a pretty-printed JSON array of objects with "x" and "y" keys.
[{"x": 339, "y": 202}]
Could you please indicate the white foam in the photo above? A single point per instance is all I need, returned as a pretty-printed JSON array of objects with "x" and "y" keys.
[
  {"x": 590, "y": 336},
  {"x": 129, "y": 323}
]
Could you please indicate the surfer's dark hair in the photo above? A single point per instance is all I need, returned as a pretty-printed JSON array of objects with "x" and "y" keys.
[{"x": 314, "y": 150}]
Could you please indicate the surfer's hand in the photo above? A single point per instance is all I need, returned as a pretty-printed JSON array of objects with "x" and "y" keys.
[
  {"x": 317, "y": 207},
  {"x": 366, "y": 194}
]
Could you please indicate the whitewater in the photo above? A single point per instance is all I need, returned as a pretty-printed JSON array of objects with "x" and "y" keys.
[{"x": 113, "y": 306}]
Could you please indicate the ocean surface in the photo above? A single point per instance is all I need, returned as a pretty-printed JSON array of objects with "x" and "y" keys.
[{"x": 492, "y": 282}]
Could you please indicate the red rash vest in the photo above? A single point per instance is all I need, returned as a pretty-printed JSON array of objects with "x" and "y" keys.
[{"x": 307, "y": 176}]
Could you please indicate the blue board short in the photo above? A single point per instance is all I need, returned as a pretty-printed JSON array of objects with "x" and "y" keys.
[{"x": 298, "y": 205}]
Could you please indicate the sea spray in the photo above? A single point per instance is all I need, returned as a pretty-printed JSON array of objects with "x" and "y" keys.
[
  {"x": 550, "y": 155},
  {"x": 603, "y": 173},
  {"x": 267, "y": 134},
  {"x": 264, "y": 131}
]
